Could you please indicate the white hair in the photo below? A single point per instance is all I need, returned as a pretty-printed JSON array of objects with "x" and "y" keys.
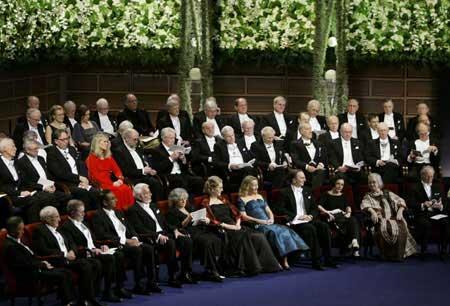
[
  {"x": 165, "y": 131},
  {"x": 312, "y": 103},
  {"x": 4, "y": 143},
  {"x": 426, "y": 169},
  {"x": 69, "y": 103},
  {"x": 346, "y": 125},
  {"x": 29, "y": 142},
  {"x": 377, "y": 178},
  {"x": 31, "y": 111},
  {"x": 247, "y": 121},
  {"x": 47, "y": 212},
  {"x": 123, "y": 126},
  {"x": 266, "y": 130},
  {"x": 138, "y": 189},
  {"x": 210, "y": 103},
  {"x": 226, "y": 129},
  {"x": 101, "y": 101}
]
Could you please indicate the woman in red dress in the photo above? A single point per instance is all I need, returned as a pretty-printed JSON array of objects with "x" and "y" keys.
[{"x": 103, "y": 169}]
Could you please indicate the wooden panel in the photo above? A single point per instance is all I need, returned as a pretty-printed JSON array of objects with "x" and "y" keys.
[
  {"x": 22, "y": 87},
  {"x": 274, "y": 86},
  {"x": 251, "y": 69},
  {"x": 432, "y": 104},
  {"x": 387, "y": 88},
  {"x": 375, "y": 105},
  {"x": 39, "y": 85},
  {"x": 4, "y": 126},
  {"x": 114, "y": 82},
  {"x": 297, "y": 104},
  {"x": 6, "y": 89},
  {"x": 358, "y": 88},
  {"x": 53, "y": 83},
  {"x": 374, "y": 70},
  {"x": 299, "y": 86},
  {"x": 150, "y": 83},
  {"x": 422, "y": 88},
  {"x": 81, "y": 82},
  {"x": 419, "y": 72},
  {"x": 229, "y": 85}
]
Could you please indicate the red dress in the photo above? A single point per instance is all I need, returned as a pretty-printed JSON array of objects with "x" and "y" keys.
[{"x": 100, "y": 171}]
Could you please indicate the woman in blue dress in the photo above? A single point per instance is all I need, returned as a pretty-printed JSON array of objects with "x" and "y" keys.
[{"x": 254, "y": 209}]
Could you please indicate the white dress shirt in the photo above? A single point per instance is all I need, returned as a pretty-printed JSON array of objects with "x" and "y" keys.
[
  {"x": 315, "y": 125},
  {"x": 216, "y": 126},
  {"x": 176, "y": 125},
  {"x": 374, "y": 134},
  {"x": 136, "y": 158},
  {"x": 281, "y": 123},
  {"x": 72, "y": 121},
  {"x": 242, "y": 118},
  {"x": 385, "y": 149},
  {"x": 120, "y": 228},
  {"x": 86, "y": 233},
  {"x": 235, "y": 154},
  {"x": 427, "y": 188},
  {"x": 211, "y": 141},
  {"x": 35, "y": 129},
  {"x": 176, "y": 169},
  {"x": 249, "y": 140},
  {"x": 10, "y": 165},
  {"x": 347, "y": 150},
  {"x": 59, "y": 239},
  {"x": 422, "y": 146},
  {"x": 271, "y": 152},
  {"x": 309, "y": 147},
  {"x": 70, "y": 160},
  {"x": 299, "y": 201},
  {"x": 334, "y": 135},
  {"x": 106, "y": 124},
  {"x": 389, "y": 120},
  {"x": 37, "y": 166},
  {"x": 351, "y": 119},
  {"x": 149, "y": 211}
]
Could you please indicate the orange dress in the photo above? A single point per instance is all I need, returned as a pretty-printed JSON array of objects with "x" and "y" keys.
[{"x": 100, "y": 171}]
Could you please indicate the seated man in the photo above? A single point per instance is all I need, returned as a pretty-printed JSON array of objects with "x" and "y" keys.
[
  {"x": 297, "y": 203},
  {"x": 236, "y": 120},
  {"x": 394, "y": 121},
  {"x": 421, "y": 109},
  {"x": 48, "y": 241},
  {"x": 317, "y": 122},
  {"x": 64, "y": 166},
  {"x": 177, "y": 120},
  {"x": 278, "y": 119},
  {"x": 70, "y": 109},
  {"x": 171, "y": 163},
  {"x": 28, "y": 269},
  {"x": 355, "y": 119},
  {"x": 372, "y": 132},
  {"x": 427, "y": 201},
  {"x": 310, "y": 156},
  {"x": 229, "y": 158},
  {"x": 270, "y": 157},
  {"x": 32, "y": 123},
  {"x": 384, "y": 155},
  {"x": 113, "y": 266},
  {"x": 11, "y": 183},
  {"x": 130, "y": 158},
  {"x": 151, "y": 226},
  {"x": 138, "y": 117},
  {"x": 32, "y": 102},
  {"x": 331, "y": 133},
  {"x": 293, "y": 133},
  {"x": 249, "y": 136},
  {"x": 346, "y": 156},
  {"x": 210, "y": 113},
  {"x": 110, "y": 225},
  {"x": 203, "y": 149},
  {"x": 103, "y": 117}
]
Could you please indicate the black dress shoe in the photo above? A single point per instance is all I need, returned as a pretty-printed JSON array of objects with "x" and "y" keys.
[
  {"x": 123, "y": 293},
  {"x": 141, "y": 291},
  {"x": 186, "y": 278},
  {"x": 111, "y": 298},
  {"x": 174, "y": 283},
  {"x": 154, "y": 288},
  {"x": 212, "y": 277}
]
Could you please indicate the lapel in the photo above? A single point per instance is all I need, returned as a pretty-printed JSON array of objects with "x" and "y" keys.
[
  {"x": 163, "y": 150},
  {"x": 355, "y": 150},
  {"x": 51, "y": 239},
  {"x": 306, "y": 200},
  {"x": 292, "y": 201},
  {"x": 377, "y": 147},
  {"x": 148, "y": 219},
  {"x": 108, "y": 221},
  {"x": 21, "y": 246},
  {"x": 5, "y": 170},
  {"x": 243, "y": 150},
  {"x": 31, "y": 167},
  {"x": 77, "y": 232},
  {"x": 274, "y": 123}
]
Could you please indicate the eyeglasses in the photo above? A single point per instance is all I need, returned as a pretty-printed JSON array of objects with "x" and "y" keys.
[{"x": 64, "y": 139}]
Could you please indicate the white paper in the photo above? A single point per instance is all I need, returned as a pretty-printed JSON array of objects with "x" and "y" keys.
[
  {"x": 3, "y": 195},
  {"x": 247, "y": 164},
  {"x": 45, "y": 182},
  {"x": 281, "y": 166},
  {"x": 438, "y": 217},
  {"x": 336, "y": 211},
  {"x": 185, "y": 150},
  {"x": 149, "y": 138},
  {"x": 198, "y": 215},
  {"x": 297, "y": 221},
  {"x": 110, "y": 251}
]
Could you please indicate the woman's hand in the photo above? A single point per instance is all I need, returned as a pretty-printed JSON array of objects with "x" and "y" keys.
[
  {"x": 269, "y": 221},
  {"x": 117, "y": 183},
  {"x": 348, "y": 214},
  {"x": 399, "y": 215}
]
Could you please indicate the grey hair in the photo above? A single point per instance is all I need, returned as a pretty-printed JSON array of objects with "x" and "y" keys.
[
  {"x": 31, "y": 111},
  {"x": 277, "y": 98},
  {"x": 127, "y": 133},
  {"x": 303, "y": 125},
  {"x": 247, "y": 121},
  {"x": 29, "y": 142},
  {"x": 329, "y": 118},
  {"x": 204, "y": 124},
  {"x": 266, "y": 130},
  {"x": 312, "y": 103},
  {"x": 101, "y": 101},
  {"x": 47, "y": 212},
  {"x": 4, "y": 143},
  {"x": 165, "y": 131},
  {"x": 123, "y": 126},
  {"x": 69, "y": 103},
  {"x": 383, "y": 124},
  {"x": 172, "y": 101},
  {"x": 226, "y": 129},
  {"x": 138, "y": 188},
  {"x": 29, "y": 135},
  {"x": 377, "y": 178},
  {"x": 72, "y": 206},
  {"x": 176, "y": 195},
  {"x": 210, "y": 103},
  {"x": 344, "y": 125},
  {"x": 426, "y": 169}
]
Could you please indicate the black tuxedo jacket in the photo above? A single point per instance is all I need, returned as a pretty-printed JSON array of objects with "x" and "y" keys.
[
  {"x": 162, "y": 163},
  {"x": 326, "y": 139},
  {"x": 399, "y": 124},
  {"x": 434, "y": 158},
  {"x": 29, "y": 174},
  {"x": 373, "y": 152},
  {"x": 126, "y": 162},
  {"x": 144, "y": 225},
  {"x": 300, "y": 155},
  {"x": 185, "y": 124},
  {"x": 200, "y": 150},
  {"x": 139, "y": 118},
  {"x": 23, "y": 119},
  {"x": 234, "y": 122},
  {"x": 7, "y": 183},
  {"x": 261, "y": 154},
  {"x": 336, "y": 156},
  {"x": 418, "y": 196},
  {"x": 19, "y": 260},
  {"x": 287, "y": 206},
  {"x": 104, "y": 230},
  {"x": 75, "y": 236},
  {"x": 322, "y": 121},
  {"x": 21, "y": 129},
  {"x": 198, "y": 120},
  {"x": 411, "y": 134},
  {"x": 59, "y": 167},
  {"x": 269, "y": 120},
  {"x": 95, "y": 117},
  {"x": 361, "y": 122},
  {"x": 221, "y": 158}
]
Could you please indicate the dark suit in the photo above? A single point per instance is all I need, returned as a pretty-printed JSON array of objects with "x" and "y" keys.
[
  {"x": 89, "y": 269},
  {"x": 326, "y": 140},
  {"x": 68, "y": 123},
  {"x": 336, "y": 158},
  {"x": 434, "y": 158},
  {"x": 139, "y": 118},
  {"x": 23, "y": 119},
  {"x": 140, "y": 256},
  {"x": 129, "y": 169},
  {"x": 399, "y": 125},
  {"x": 316, "y": 233},
  {"x": 201, "y": 154},
  {"x": 277, "y": 176},
  {"x": 411, "y": 134},
  {"x": 145, "y": 226},
  {"x": 95, "y": 117},
  {"x": 185, "y": 124},
  {"x": 198, "y": 120},
  {"x": 270, "y": 120},
  {"x": 221, "y": 159},
  {"x": 60, "y": 171},
  {"x": 29, "y": 270},
  {"x": 233, "y": 121},
  {"x": 422, "y": 215},
  {"x": 322, "y": 122},
  {"x": 389, "y": 172},
  {"x": 164, "y": 167},
  {"x": 361, "y": 122},
  {"x": 21, "y": 129},
  {"x": 301, "y": 159}
]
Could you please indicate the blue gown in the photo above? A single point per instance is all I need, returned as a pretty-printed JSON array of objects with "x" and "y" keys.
[{"x": 281, "y": 237}]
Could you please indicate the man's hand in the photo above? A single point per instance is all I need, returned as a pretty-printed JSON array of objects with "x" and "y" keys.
[
  {"x": 342, "y": 169},
  {"x": 234, "y": 166},
  {"x": 47, "y": 265},
  {"x": 71, "y": 255},
  {"x": 84, "y": 180},
  {"x": 163, "y": 239},
  {"x": 25, "y": 193}
]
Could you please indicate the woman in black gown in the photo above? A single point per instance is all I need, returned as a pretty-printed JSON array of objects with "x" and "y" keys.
[
  {"x": 339, "y": 214},
  {"x": 246, "y": 252},
  {"x": 207, "y": 241}
]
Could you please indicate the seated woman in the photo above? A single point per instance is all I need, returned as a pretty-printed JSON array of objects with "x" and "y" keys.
[
  {"x": 56, "y": 118},
  {"x": 386, "y": 212},
  {"x": 254, "y": 209},
  {"x": 339, "y": 214},
  {"x": 84, "y": 130},
  {"x": 207, "y": 241},
  {"x": 245, "y": 252},
  {"x": 101, "y": 166}
]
